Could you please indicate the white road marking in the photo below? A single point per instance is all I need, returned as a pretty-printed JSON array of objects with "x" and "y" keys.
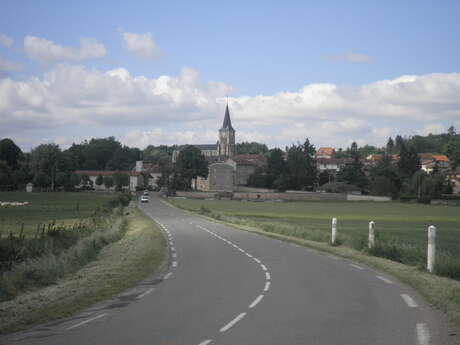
[
  {"x": 256, "y": 301},
  {"x": 145, "y": 293},
  {"x": 241, "y": 250},
  {"x": 169, "y": 274},
  {"x": 267, "y": 276},
  {"x": 232, "y": 323},
  {"x": 206, "y": 342},
  {"x": 174, "y": 264},
  {"x": 248, "y": 255},
  {"x": 174, "y": 255},
  {"x": 173, "y": 249},
  {"x": 409, "y": 301},
  {"x": 257, "y": 260},
  {"x": 85, "y": 321},
  {"x": 386, "y": 280},
  {"x": 267, "y": 286},
  {"x": 263, "y": 267},
  {"x": 356, "y": 266},
  {"x": 423, "y": 334}
]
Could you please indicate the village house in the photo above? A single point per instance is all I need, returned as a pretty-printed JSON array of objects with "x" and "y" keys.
[
  {"x": 453, "y": 176},
  {"x": 324, "y": 152},
  {"x": 136, "y": 179},
  {"x": 429, "y": 161}
]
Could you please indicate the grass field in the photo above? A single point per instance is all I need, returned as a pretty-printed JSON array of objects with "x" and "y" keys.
[
  {"x": 401, "y": 228},
  {"x": 44, "y": 208}
]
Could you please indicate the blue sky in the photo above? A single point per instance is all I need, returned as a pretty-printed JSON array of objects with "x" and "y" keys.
[{"x": 254, "y": 50}]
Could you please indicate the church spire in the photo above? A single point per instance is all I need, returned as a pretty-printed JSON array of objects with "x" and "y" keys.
[{"x": 227, "y": 122}]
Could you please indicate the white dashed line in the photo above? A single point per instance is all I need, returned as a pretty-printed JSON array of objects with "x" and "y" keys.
[
  {"x": 256, "y": 301},
  {"x": 257, "y": 260},
  {"x": 409, "y": 301},
  {"x": 173, "y": 249},
  {"x": 263, "y": 267},
  {"x": 174, "y": 255},
  {"x": 232, "y": 323},
  {"x": 267, "y": 276},
  {"x": 206, "y": 342},
  {"x": 169, "y": 274},
  {"x": 248, "y": 255},
  {"x": 85, "y": 322},
  {"x": 423, "y": 334},
  {"x": 356, "y": 266},
  {"x": 145, "y": 293},
  {"x": 267, "y": 286},
  {"x": 386, "y": 280},
  {"x": 174, "y": 264}
]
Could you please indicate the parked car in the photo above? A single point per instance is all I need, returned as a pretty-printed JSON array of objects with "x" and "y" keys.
[{"x": 144, "y": 198}]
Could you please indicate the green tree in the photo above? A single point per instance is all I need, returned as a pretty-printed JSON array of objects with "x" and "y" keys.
[
  {"x": 6, "y": 175},
  {"x": 120, "y": 180},
  {"x": 390, "y": 145},
  {"x": 42, "y": 180},
  {"x": 190, "y": 164},
  {"x": 353, "y": 173},
  {"x": 276, "y": 166},
  {"x": 108, "y": 182},
  {"x": 384, "y": 179},
  {"x": 45, "y": 158},
  {"x": 300, "y": 173},
  {"x": 251, "y": 148},
  {"x": 10, "y": 153},
  {"x": 75, "y": 180},
  {"x": 409, "y": 162},
  {"x": 99, "y": 180}
]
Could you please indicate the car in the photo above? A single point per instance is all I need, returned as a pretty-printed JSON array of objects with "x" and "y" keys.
[
  {"x": 146, "y": 192},
  {"x": 144, "y": 198}
]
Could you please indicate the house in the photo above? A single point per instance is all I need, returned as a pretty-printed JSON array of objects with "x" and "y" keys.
[
  {"x": 149, "y": 170},
  {"x": 136, "y": 179},
  {"x": 373, "y": 159},
  {"x": 244, "y": 166},
  {"x": 332, "y": 164},
  {"x": 453, "y": 177},
  {"x": 324, "y": 152},
  {"x": 429, "y": 161}
]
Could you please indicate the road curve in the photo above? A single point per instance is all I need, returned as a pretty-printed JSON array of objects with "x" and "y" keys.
[{"x": 229, "y": 287}]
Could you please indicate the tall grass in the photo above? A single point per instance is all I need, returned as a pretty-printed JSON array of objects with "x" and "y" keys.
[{"x": 47, "y": 269}]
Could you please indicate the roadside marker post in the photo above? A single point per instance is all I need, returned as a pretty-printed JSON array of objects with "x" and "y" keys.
[
  {"x": 431, "y": 257},
  {"x": 371, "y": 235},
  {"x": 334, "y": 231}
]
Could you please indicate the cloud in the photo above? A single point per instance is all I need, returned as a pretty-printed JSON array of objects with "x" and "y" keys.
[
  {"x": 70, "y": 101},
  {"x": 6, "y": 41},
  {"x": 47, "y": 52},
  {"x": 141, "y": 45},
  {"x": 9, "y": 66},
  {"x": 349, "y": 57}
]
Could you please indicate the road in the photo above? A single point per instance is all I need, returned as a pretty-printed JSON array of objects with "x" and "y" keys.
[{"x": 229, "y": 287}]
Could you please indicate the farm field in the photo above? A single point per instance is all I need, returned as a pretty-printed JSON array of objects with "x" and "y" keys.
[
  {"x": 401, "y": 228},
  {"x": 62, "y": 207}
]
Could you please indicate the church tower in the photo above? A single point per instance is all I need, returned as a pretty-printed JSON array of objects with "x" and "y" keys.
[{"x": 226, "y": 138}]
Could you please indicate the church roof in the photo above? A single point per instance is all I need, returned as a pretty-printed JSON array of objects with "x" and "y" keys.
[{"x": 227, "y": 122}]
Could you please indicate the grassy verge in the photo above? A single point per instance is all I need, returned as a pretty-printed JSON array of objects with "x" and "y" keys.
[
  {"x": 442, "y": 293},
  {"x": 119, "y": 266}
]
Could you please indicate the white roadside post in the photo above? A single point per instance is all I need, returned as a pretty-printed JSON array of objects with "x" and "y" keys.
[
  {"x": 334, "y": 231},
  {"x": 371, "y": 235},
  {"x": 431, "y": 257}
]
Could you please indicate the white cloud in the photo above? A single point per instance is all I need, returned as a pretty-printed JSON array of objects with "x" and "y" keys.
[
  {"x": 73, "y": 100},
  {"x": 6, "y": 41},
  {"x": 9, "y": 66},
  {"x": 349, "y": 57},
  {"x": 47, "y": 52},
  {"x": 141, "y": 45}
]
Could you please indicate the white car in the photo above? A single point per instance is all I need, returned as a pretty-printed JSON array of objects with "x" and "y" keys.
[{"x": 144, "y": 198}]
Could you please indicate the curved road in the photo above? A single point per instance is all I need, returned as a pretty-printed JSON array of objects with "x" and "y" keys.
[{"x": 229, "y": 287}]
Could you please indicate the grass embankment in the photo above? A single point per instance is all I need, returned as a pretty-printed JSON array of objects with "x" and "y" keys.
[
  {"x": 401, "y": 228},
  {"x": 43, "y": 208},
  {"x": 118, "y": 266}
]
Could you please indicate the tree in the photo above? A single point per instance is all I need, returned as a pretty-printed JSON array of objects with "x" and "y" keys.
[
  {"x": 99, "y": 180},
  {"x": 390, "y": 145},
  {"x": 120, "y": 180},
  {"x": 301, "y": 172},
  {"x": 276, "y": 166},
  {"x": 41, "y": 179},
  {"x": 45, "y": 158},
  {"x": 190, "y": 164},
  {"x": 6, "y": 178},
  {"x": 384, "y": 179},
  {"x": 451, "y": 131},
  {"x": 353, "y": 173},
  {"x": 308, "y": 148},
  {"x": 10, "y": 153},
  {"x": 75, "y": 180},
  {"x": 399, "y": 142},
  {"x": 108, "y": 182},
  {"x": 251, "y": 148},
  {"x": 409, "y": 162}
]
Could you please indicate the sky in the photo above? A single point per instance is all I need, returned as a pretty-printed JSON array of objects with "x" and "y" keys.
[{"x": 159, "y": 72}]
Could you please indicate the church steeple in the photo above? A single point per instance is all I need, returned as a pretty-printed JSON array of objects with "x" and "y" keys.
[
  {"x": 226, "y": 137},
  {"x": 227, "y": 122}
]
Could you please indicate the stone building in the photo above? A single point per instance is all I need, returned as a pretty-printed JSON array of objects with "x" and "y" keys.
[{"x": 244, "y": 166}]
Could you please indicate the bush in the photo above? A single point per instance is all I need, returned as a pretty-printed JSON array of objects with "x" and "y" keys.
[
  {"x": 447, "y": 266},
  {"x": 407, "y": 197}
]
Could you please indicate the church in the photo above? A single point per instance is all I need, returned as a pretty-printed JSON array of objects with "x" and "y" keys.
[{"x": 223, "y": 149}]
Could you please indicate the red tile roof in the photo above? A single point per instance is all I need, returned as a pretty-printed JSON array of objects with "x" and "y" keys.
[{"x": 325, "y": 151}]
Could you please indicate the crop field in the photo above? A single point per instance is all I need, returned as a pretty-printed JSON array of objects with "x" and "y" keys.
[
  {"x": 43, "y": 208},
  {"x": 401, "y": 228}
]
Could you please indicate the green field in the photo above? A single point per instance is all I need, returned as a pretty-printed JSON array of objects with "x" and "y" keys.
[
  {"x": 64, "y": 208},
  {"x": 401, "y": 227}
]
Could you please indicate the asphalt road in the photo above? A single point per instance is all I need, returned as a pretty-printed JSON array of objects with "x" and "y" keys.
[{"x": 229, "y": 287}]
